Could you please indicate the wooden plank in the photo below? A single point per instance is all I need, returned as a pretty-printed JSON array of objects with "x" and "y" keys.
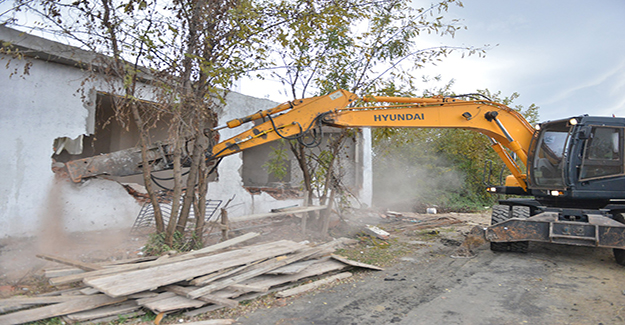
[
  {"x": 169, "y": 301},
  {"x": 37, "y": 300},
  {"x": 257, "y": 270},
  {"x": 60, "y": 309},
  {"x": 70, "y": 262},
  {"x": 278, "y": 214},
  {"x": 269, "y": 281},
  {"x": 109, "y": 319},
  {"x": 312, "y": 285},
  {"x": 213, "y": 322},
  {"x": 89, "y": 291},
  {"x": 325, "y": 215},
  {"x": 225, "y": 244},
  {"x": 293, "y": 268},
  {"x": 126, "y": 283},
  {"x": 357, "y": 264},
  {"x": 203, "y": 280},
  {"x": 248, "y": 288},
  {"x": 10, "y": 308},
  {"x": 182, "y": 291},
  {"x": 129, "y": 260},
  {"x": 322, "y": 267},
  {"x": 313, "y": 270},
  {"x": 54, "y": 273},
  {"x": 124, "y": 308},
  {"x": 142, "y": 295},
  {"x": 160, "y": 296},
  {"x": 64, "y": 292},
  {"x": 61, "y": 272},
  {"x": 123, "y": 268}
]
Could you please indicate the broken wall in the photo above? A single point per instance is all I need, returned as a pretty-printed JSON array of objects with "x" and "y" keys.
[
  {"x": 48, "y": 103},
  {"x": 35, "y": 110}
]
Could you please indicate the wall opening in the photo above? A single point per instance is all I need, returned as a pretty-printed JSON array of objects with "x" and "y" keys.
[
  {"x": 257, "y": 176},
  {"x": 111, "y": 135}
]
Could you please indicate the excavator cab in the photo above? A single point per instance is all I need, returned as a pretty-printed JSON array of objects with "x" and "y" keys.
[
  {"x": 578, "y": 159},
  {"x": 576, "y": 173}
]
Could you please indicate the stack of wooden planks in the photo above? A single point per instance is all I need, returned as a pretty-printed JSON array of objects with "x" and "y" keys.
[{"x": 214, "y": 277}]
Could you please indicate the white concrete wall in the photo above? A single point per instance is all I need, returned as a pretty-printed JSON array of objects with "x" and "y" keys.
[
  {"x": 35, "y": 109},
  {"x": 366, "y": 192},
  {"x": 230, "y": 182}
]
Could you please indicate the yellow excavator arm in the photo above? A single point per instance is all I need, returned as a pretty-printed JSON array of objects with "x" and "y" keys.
[
  {"x": 504, "y": 126},
  {"x": 293, "y": 120}
]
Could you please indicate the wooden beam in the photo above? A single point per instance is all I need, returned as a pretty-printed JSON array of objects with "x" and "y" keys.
[
  {"x": 279, "y": 214},
  {"x": 106, "y": 311},
  {"x": 70, "y": 262},
  {"x": 182, "y": 291},
  {"x": 37, "y": 300},
  {"x": 213, "y": 322},
  {"x": 257, "y": 270},
  {"x": 130, "y": 282},
  {"x": 357, "y": 264},
  {"x": 312, "y": 285},
  {"x": 60, "y": 309},
  {"x": 123, "y": 268}
]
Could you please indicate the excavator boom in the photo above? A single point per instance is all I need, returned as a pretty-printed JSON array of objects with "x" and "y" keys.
[
  {"x": 293, "y": 120},
  {"x": 504, "y": 126}
]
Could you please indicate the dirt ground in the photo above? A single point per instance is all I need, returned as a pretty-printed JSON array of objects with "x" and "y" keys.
[{"x": 551, "y": 284}]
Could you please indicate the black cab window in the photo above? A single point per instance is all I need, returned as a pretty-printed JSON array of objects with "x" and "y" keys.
[{"x": 603, "y": 153}]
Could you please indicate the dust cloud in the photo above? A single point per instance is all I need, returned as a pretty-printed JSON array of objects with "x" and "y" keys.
[
  {"x": 404, "y": 184},
  {"x": 52, "y": 237},
  {"x": 18, "y": 256}
]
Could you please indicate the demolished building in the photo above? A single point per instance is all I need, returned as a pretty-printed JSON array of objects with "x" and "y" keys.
[{"x": 53, "y": 107}]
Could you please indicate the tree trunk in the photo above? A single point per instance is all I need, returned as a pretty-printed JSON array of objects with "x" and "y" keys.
[
  {"x": 175, "y": 204},
  {"x": 199, "y": 146},
  {"x": 300, "y": 154},
  {"x": 158, "y": 215},
  {"x": 335, "y": 147}
]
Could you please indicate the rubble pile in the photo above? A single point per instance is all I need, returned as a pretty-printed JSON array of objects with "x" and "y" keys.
[{"x": 196, "y": 282}]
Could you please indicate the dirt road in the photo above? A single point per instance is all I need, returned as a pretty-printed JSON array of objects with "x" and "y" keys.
[{"x": 551, "y": 284}]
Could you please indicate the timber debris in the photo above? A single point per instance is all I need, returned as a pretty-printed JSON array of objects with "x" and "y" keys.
[{"x": 214, "y": 277}]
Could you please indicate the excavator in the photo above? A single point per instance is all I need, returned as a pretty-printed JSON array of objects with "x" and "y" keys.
[{"x": 567, "y": 182}]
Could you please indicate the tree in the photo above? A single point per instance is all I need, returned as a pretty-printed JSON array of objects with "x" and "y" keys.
[
  {"x": 367, "y": 47},
  {"x": 188, "y": 50}
]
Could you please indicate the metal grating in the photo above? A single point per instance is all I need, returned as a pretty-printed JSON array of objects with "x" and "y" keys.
[{"x": 145, "y": 219}]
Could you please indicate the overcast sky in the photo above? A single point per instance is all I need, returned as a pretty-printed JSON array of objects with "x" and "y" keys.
[{"x": 566, "y": 56}]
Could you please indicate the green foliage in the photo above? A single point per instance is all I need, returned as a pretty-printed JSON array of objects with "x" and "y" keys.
[
  {"x": 278, "y": 160},
  {"x": 375, "y": 251},
  {"x": 530, "y": 113},
  {"x": 157, "y": 246},
  {"x": 355, "y": 45},
  {"x": 324, "y": 160},
  {"x": 419, "y": 168}
]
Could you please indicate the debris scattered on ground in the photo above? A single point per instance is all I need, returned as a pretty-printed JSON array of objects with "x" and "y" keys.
[
  {"x": 413, "y": 221},
  {"x": 376, "y": 232},
  {"x": 214, "y": 277},
  {"x": 474, "y": 239}
]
